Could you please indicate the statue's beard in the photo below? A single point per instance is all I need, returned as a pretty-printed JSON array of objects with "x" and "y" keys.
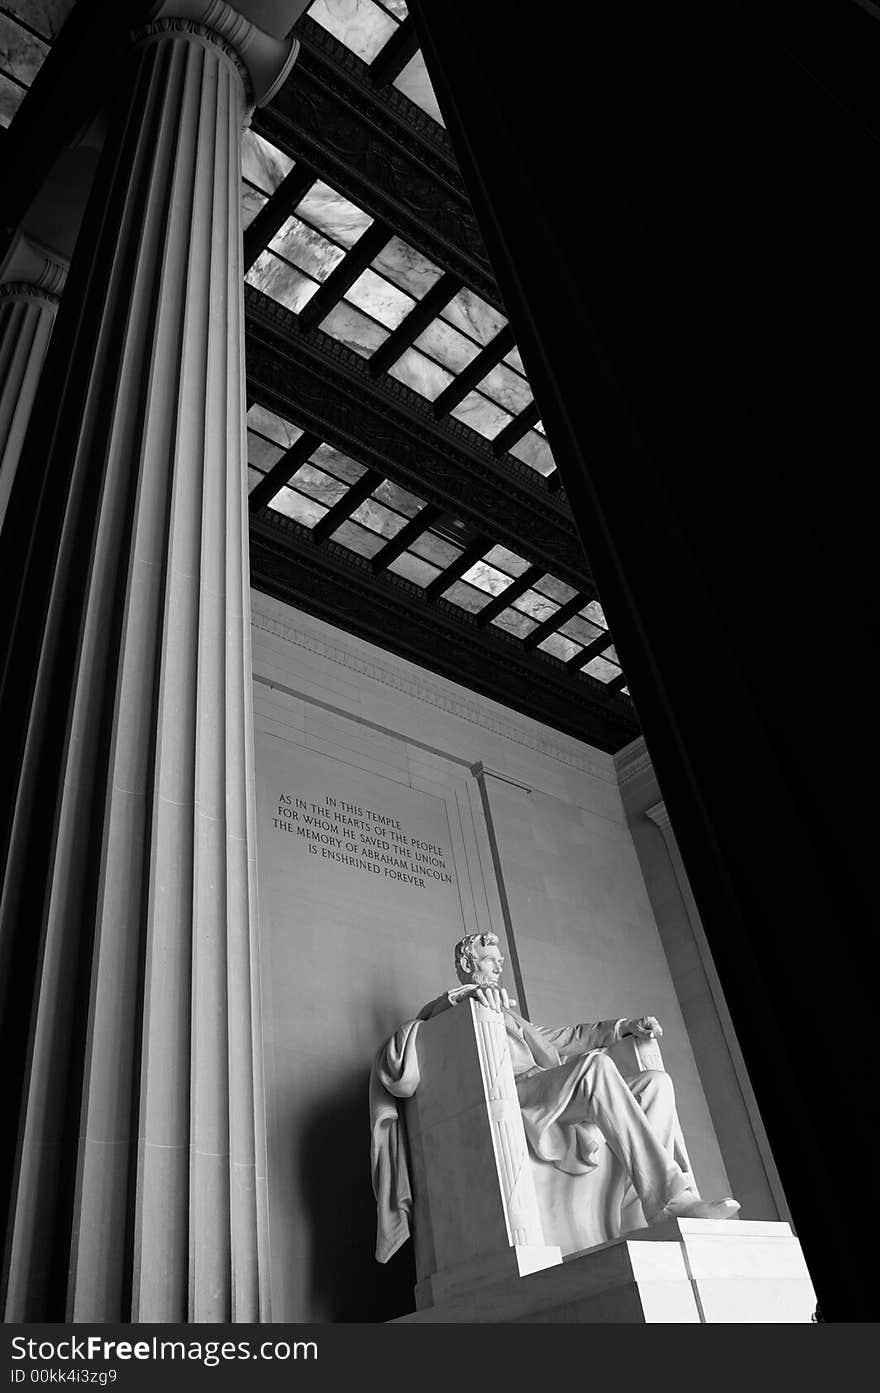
[{"x": 483, "y": 979}]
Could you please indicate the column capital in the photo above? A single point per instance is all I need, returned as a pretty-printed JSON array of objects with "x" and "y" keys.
[
  {"x": 263, "y": 60},
  {"x": 32, "y": 269}
]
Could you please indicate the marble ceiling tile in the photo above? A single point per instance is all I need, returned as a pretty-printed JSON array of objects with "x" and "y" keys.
[
  {"x": 486, "y": 578},
  {"x": 281, "y": 281},
  {"x": 261, "y": 452},
  {"x": 399, "y": 498},
  {"x": 413, "y": 81},
  {"x": 375, "y": 296},
  {"x": 306, "y": 248},
  {"x": 274, "y": 427},
  {"x": 514, "y": 622},
  {"x": 21, "y": 54},
  {"x": 556, "y": 589},
  {"x": 46, "y": 16},
  {"x": 466, "y": 597},
  {"x": 507, "y": 388},
  {"x": 334, "y": 462},
  {"x": 466, "y": 311},
  {"x": 581, "y": 630},
  {"x": 297, "y": 506},
  {"x": 332, "y": 214},
  {"x": 358, "y": 539},
  {"x": 318, "y": 485},
  {"x": 351, "y": 327},
  {"x": 251, "y": 203},
  {"x": 447, "y": 345},
  {"x": 263, "y": 164},
  {"x": 559, "y": 646},
  {"x": 507, "y": 561},
  {"x": 405, "y": 266},
  {"x": 436, "y": 550},
  {"x": 515, "y": 360},
  {"x": 602, "y": 669},
  {"x": 11, "y": 98},
  {"x": 481, "y": 415},
  {"x": 594, "y": 612},
  {"x": 534, "y": 451},
  {"x": 418, "y": 372},
  {"x": 379, "y": 518},
  {"x": 536, "y": 606},
  {"x": 414, "y": 568},
  {"x": 359, "y": 24}
]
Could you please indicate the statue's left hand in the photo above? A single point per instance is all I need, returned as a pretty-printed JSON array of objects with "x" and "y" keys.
[
  {"x": 495, "y": 998},
  {"x": 644, "y": 1028}
]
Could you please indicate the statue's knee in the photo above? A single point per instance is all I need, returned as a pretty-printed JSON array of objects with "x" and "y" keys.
[
  {"x": 657, "y": 1080},
  {"x": 603, "y": 1066}
]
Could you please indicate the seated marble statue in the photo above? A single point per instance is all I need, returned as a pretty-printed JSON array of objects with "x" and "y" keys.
[
  {"x": 565, "y": 1080},
  {"x": 569, "y": 1092}
]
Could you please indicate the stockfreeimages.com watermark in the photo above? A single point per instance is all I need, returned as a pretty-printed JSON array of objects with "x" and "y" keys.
[{"x": 90, "y": 1348}]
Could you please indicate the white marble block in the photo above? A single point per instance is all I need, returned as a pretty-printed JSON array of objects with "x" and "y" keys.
[{"x": 475, "y": 1212}]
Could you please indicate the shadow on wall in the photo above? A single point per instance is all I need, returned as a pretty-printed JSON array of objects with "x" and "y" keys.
[{"x": 347, "y": 1283}]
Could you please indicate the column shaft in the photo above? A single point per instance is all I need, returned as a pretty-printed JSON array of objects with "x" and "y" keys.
[
  {"x": 130, "y": 855},
  {"x": 27, "y": 314}
]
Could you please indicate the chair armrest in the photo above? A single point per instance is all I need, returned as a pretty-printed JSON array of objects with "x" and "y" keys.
[{"x": 633, "y": 1056}]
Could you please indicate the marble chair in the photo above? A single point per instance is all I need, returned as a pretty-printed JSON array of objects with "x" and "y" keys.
[{"x": 484, "y": 1207}]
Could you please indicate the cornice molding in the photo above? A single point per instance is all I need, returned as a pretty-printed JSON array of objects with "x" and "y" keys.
[
  {"x": 632, "y": 761},
  {"x": 422, "y": 689},
  {"x": 658, "y": 815}
]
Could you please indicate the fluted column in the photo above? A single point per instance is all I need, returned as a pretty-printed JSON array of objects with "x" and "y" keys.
[
  {"x": 129, "y": 908},
  {"x": 32, "y": 282}
]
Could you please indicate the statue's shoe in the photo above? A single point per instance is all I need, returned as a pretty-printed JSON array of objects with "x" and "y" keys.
[{"x": 687, "y": 1205}]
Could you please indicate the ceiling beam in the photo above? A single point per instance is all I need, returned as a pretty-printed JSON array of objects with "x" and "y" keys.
[
  {"x": 592, "y": 650},
  {"x": 275, "y": 212},
  {"x": 418, "y": 319},
  {"x": 324, "y": 387},
  {"x": 517, "y": 587},
  {"x": 283, "y": 470},
  {"x": 343, "y": 276},
  {"x": 487, "y": 359},
  {"x": 381, "y": 151},
  {"x": 338, "y": 586},
  {"x": 516, "y": 429},
  {"x": 414, "y": 529},
  {"x": 562, "y": 615},
  {"x": 342, "y": 511},
  {"x": 394, "y": 55},
  {"x": 456, "y": 569}
]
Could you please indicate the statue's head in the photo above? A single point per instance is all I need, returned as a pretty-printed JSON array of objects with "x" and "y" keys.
[{"x": 479, "y": 960}]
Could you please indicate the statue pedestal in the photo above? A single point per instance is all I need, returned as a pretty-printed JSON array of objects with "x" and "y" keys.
[{"x": 685, "y": 1271}]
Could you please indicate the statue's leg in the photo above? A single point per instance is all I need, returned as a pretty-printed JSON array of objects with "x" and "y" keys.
[
  {"x": 655, "y": 1094},
  {"x": 602, "y": 1095}
]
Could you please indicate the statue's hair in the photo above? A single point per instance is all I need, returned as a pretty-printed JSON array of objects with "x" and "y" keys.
[{"x": 464, "y": 951}]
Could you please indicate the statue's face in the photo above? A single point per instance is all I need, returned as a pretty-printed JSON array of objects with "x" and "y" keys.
[{"x": 487, "y": 964}]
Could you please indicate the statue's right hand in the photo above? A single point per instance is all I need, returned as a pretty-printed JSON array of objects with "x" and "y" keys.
[{"x": 495, "y": 998}]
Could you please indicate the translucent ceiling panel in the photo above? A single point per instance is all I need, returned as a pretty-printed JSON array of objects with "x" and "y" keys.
[
  {"x": 358, "y": 539},
  {"x": 594, "y": 612},
  {"x": 262, "y": 164},
  {"x": 251, "y": 203},
  {"x": 534, "y": 451},
  {"x": 22, "y": 54},
  {"x": 359, "y": 24},
  {"x": 274, "y": 427},
  {"x": 414, "y": 83},
  {"x": 602, "y": 669},
  {"x": 354, "y": 329},
  {"x": 334, "y": 462},
  {"x": 313, "y": 482},
  {"x": 487, "y": 578},
  {"x": 507, "y": 388},
  {"x": 581, "y": 630},
  {"x": 466, "y": 311},
  {"x": 407, "y": 268},
  {"x": 400, "y": 499},
  {"x": 556, "y": 589},
  {"x": 560, "y": 647},
  {"x": 447, "y": 346},
  {"x": 306, "y": 249},
  {"x": 397, "y": 7},
  {"x": 281, "y": 281},
  {"x": 481, "y": 415},
  {"x": 379, "y": 518},
  {"x": 378, "y": 298},
  {"x": 420, "y": 373},
  {"x": 515, "y": 360},
  {"x": 432, "y": 548},
  {"x": 513, "y": 621},
  {"x": 507, "y": 561},
  {"x": 466, "y": 597},
  {"x": 11, "y": 98},
  {"x": 536, "y": 606},
  {"x": 332, "y": 214},
  {"x": 413, "y": 568},
  {"x": 298, "y": 507}
]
